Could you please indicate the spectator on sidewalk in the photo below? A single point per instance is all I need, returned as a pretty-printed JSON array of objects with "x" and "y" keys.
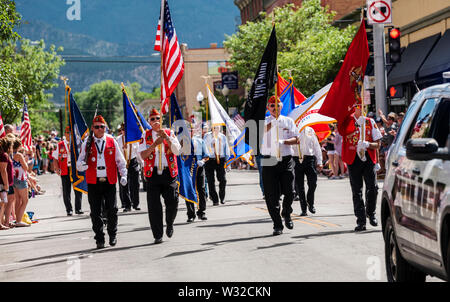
[{"x": 20, "y": 182}]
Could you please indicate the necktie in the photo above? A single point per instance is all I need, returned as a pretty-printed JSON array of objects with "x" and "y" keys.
[
  {"x": 160, "y": 158},
  {"x": 216, "y": 150}
]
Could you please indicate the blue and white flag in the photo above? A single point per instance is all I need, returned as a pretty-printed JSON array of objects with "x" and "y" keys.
[
  {"x": 187, "y": 163},
  {"x": 78, "y": 132},
  {"x": 135, "y": 123},
  {"x": 287, "y": 97}
]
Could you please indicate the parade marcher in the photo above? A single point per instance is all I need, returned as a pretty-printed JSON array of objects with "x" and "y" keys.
[
  {"x": 129, "y": 194},
  {"x": 307, "y": 156},
  {"x": 62, "y": 164},
  {"x": 280, "y": 134},
  {"x": 201, "y": 156},
  {"x": 101, "y": 163},
  {"x": 159, "y": 148},
  {"x": 218, "y": 151},
  {"x": 360, "y": 156}
]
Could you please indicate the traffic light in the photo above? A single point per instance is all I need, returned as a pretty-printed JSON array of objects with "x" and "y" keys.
[
  {"x": 396, "y": 91},
  {"x": 395, "y": 55}
]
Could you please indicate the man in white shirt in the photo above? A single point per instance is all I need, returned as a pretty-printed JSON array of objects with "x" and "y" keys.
[
  {"x": 159, "y": 149},
  {"x": 129, "y": 194},
  {"x": 218, "y": 151},
  {"x": 101, "y": 163},
  {"x": 280, "y": 134},
  {"x": 307, "y": 156}
]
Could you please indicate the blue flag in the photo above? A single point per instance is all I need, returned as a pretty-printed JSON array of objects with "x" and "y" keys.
[
  {"x": 187, "y": 164},
  {"x": 78, "y": 132},
  {"x": 287, "y": 98},
  {"x": 135, "y": 123}
]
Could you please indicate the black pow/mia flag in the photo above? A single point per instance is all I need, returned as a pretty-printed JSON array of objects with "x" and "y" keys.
[{"x": 265, "y": 79}]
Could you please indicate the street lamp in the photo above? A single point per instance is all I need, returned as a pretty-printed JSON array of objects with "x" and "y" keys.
[
  {"x": 225, "y": 92},
  {"x": 200, "y": 98}
]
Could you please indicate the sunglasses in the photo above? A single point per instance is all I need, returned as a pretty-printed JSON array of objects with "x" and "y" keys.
[
  {"x": 155, "y": 118},
  {"x": 99, "y": 127},
  {"x": 272, "y": 105}
]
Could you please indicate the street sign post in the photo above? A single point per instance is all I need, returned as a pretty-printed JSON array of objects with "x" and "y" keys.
[
  {"x": 379, "y": 11},
  {"x": 230, "y": 79}
]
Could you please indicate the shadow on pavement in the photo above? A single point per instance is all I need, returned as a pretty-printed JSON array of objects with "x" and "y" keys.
[
  {"x": 264, "y": 220},
  {"x": 276, "y": 245},
  {"x": 322, "y": 234},
  {"x": 187, "y": 252},
  {"x": 236, "y": 240},
  {"x": 46, "y": 237}
]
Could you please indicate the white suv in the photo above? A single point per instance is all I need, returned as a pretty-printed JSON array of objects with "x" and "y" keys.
[{"x": 415, "y": 205}]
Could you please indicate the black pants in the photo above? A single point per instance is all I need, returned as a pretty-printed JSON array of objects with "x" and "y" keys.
[
  {"x": 359, "y": 171},
  {"x": 66, "y": 187},
  {"x": 306, "y": 167},
  {"x": 166, "y": 186},
  {"x": 277, "y": 180},
  {"x": 212, "y": 166},
  {"x": 106, "y": 192},
  {"x": 200, "y": 183},
  {"x": 129, "y": 194}
]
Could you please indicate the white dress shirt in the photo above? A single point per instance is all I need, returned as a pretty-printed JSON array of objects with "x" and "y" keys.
[
  {"x": 309, "y": 145},
  {"x": 217, "y": 145},
  {"x": 176, "y": 148},
  {"x": 55, "y": 153},
  {"x": 286, "y": 129},
  {"x": 100, "y": 144},
  {"x": 131, "y": 148}
]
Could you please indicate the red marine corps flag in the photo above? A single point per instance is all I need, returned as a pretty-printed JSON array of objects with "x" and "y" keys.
[
  {"x": 348, "y": 84},
  {"x": 172, "y": 65}
]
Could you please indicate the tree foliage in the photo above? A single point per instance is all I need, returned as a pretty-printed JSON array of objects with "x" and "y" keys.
[
  {"x": 308, "y": 45},
  {"x": 108, "y": 96},
  {"x": 9, "y": 18}
]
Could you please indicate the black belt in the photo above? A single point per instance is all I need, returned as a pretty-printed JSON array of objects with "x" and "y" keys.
[
  {"x": 102, "y": 179},
  {"x": 101, "y": 168},
  {"x": 282, "y": 158}
]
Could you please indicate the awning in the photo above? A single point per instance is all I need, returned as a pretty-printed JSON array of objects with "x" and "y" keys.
[
  {"x": 439, "y": 59},
  {"x": 412, "y": 58}
]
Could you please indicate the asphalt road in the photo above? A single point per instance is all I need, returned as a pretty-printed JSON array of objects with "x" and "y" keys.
[{"x": 234, "y": 244}]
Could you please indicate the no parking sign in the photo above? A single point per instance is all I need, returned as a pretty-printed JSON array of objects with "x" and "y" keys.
[{"x": 379, "y": 11}]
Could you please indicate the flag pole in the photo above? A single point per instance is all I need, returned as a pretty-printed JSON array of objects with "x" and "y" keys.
[
  {"x": 276, "y": 98},
  {"x": 162, "y": 47},
  {"x": 206, "y": 103}
]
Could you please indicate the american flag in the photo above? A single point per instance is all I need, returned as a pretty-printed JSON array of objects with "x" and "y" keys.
[
  {"x": 239, "y": 121},
  {"x": 172, "y": 65},
  {"x": 2, "y": 128},
  {"x": 25, "y": 129}
]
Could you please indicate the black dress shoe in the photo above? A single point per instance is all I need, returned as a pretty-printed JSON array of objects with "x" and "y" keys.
[
  {"x": 137, "y": 208},
  {"x": 222, "y": 201},
  {"x": 215, "y": 204},
  {"x": 158, "y": 241},
  {"x": 277, "y": 232},
  {"x": 312, "y": 209},
  {"x": 360, "y": 227},
  {"x": 191, "y": 219},
  {"x": 288, "y": 223},
  {"x": 202, "y": 217},
  {"x": 127, "y": 210},
  {"x": 70, "y": 213},
  {"x": 296, "y": 198},
  {"x": 373, "y": 221},
  {"x": 112, "y": 241},
  {"x": 169, "y": 231},
  {"x": 304, "y": 214},
  {"x": 79, "y": 212},
  {"x": 100, "y": 245}
]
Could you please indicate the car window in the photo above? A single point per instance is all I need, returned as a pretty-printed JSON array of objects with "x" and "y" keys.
[
  {"x": 404, "y": 124},
  {"x": 420, "y": 127},
  {"x": 439, "y": 128}
]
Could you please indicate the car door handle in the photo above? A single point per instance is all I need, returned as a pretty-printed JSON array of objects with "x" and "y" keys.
[
  {"x": 395, "y": 163},
  {"x": 416, "y": 171}
]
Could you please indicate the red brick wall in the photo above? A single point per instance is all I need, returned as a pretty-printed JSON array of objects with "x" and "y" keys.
[
  {"x": 343, "y": 7},
  {"x": 280, "y": 3}
]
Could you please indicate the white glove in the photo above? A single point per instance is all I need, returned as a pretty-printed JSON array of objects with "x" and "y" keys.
[
  {"x": 123, "y": 181},
  {"x": 83, "y": 167},
  {"x": 377, "y": 167},
  {"x": 363, "y": 145},
  {"x": 228, "y": 168},
  {"x": 361, "y": 120},
  {"x": 281, "y": 142},
  {"x": 200, "y": 163}
]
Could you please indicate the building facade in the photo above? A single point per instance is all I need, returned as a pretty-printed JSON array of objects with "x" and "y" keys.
[{"x": 201, "y": 65}]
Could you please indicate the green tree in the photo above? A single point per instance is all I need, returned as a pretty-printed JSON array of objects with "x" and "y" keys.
[
  {"x": 308, "y": 45},
  {"x": 9, "y": 18}
]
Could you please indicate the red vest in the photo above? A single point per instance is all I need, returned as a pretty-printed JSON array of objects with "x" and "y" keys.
[
  {"x": 351, "y": 138},
  {"x": 63, "y": 158},
  {"x": 109, "y": 152},
  {"x": 149, "y": 162}
]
